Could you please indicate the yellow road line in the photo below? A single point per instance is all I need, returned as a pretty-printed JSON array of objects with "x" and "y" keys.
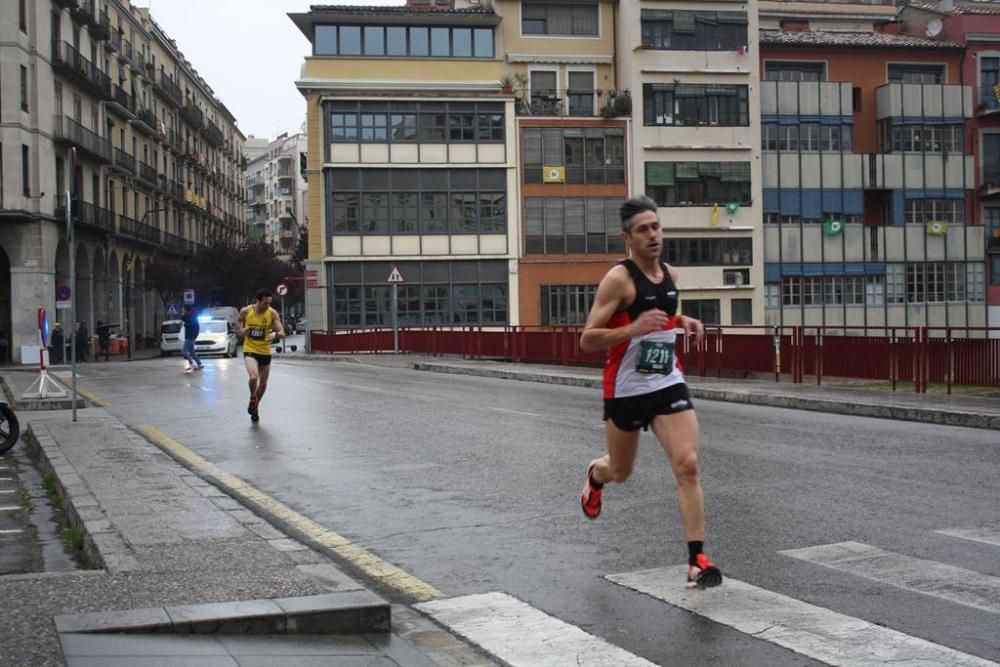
[
  {"x": 373, "y": 566},
  {"x": 83, "y": 391}
]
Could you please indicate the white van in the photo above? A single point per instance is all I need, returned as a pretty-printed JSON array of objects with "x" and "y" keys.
[{"x": 171, "y": 337}]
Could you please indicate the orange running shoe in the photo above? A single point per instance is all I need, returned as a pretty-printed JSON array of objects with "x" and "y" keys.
[
  {"x": 703, "y": 575},
  {"x": 590, "y": 499}
]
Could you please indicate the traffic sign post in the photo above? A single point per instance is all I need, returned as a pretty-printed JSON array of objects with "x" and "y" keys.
[
  {"x": 63, "y": 297},
  {"x": 394, "y": 279},
  {"x": 281, "y": 290},
  {"x": 189, "y": 297},
  {"x": 173, "y": 311}
]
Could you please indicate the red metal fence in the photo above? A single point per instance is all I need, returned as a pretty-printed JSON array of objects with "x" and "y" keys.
[{"x": 921, "y": 355}]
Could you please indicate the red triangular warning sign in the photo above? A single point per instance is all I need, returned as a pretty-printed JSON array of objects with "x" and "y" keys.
[{"x": 395, "y": 276}]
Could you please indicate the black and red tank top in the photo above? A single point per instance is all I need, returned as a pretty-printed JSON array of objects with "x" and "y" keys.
[{"x": 644, "y": 364}]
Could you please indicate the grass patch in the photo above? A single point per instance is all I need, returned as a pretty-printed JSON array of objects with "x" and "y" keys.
[
  {"x": 25, "y": 499},
  {"x": 73, "y": 538},
  {"x": 49, "y": 483}
]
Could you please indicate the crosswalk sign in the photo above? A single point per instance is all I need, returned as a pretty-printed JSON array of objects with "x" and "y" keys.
[{"x": 172, "y": 310}]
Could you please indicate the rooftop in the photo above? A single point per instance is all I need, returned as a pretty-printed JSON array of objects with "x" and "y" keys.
[
  {"x": 398, "y": 15},
  {"x": 850, "y": 40},
  {"x": 975, "y": 7}
]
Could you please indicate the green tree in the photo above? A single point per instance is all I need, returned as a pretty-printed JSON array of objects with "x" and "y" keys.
[
  {"x": 169, "y": 276},
  {"x": 224, "y": 275}
]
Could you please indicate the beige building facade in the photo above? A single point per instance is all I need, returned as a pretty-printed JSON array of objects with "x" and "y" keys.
[{"x": 157, "y": 166}]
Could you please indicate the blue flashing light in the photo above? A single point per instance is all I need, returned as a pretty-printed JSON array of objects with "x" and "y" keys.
[{"x": 204, "y": 318}]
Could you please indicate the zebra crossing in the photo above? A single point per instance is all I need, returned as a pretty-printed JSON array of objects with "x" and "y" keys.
[{"x": 520, "y": 635}]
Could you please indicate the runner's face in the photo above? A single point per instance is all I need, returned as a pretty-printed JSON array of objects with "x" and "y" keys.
[
  {"x": 644, "y": 237},
  {"x": 265, "y": 302}
]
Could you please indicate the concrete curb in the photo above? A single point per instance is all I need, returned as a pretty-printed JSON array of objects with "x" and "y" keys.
[
  {"x": 349, "y": 612},
  {"x": 949, "y": 417}
]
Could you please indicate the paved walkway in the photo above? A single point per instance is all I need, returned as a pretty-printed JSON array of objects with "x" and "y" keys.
[{"x": 168, "y": 547}]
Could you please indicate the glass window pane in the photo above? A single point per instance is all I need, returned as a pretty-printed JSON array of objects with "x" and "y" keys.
[
  {"x": 326, "y": 40},
  {"x": 439, "y": 42},
  {"x": 461, "y": 42},
  {"x": 374, "y": 40},
  {"x": 350, "y": 40},
  {"x": 419, "y": 42},
  {"x": 395, "y": 41},
  {"x": 483, "y": 42}
]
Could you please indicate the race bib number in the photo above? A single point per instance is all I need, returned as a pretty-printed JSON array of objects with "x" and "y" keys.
[
  {"x": 655, "y": 356},
  {"x": 256, "y": 333}
]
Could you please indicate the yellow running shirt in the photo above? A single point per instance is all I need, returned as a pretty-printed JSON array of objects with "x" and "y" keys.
[{"x": 258, "y": 326}]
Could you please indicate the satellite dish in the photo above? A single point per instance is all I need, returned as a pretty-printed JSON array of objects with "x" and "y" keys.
[{"x": 934, "y": 27}]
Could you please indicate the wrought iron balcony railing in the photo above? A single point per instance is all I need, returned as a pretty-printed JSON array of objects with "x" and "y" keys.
[
  {"x": 69, "y": 131},
  {"x": 67, "y": 60}
]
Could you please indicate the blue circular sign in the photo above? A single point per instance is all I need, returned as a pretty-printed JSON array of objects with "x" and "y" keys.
[{"x": 62, "y": 293}]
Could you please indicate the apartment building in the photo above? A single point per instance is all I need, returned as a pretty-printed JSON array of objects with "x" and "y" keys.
[
  {"x": 412, "y": 165},
  {"x": 869, "y": 215},
  {"x": 157, "y": 165},
  {"x": 276, "y": 194},
  {"x": 976, "y": 25}
]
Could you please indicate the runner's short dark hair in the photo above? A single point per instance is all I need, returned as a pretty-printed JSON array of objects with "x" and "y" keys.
[
  {"x": 263, "y": 293},
  {"x": 633, "y": 206}
]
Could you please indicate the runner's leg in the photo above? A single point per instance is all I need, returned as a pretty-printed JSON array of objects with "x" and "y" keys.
[
  {"x": 616, "y": 465},
  {"x": 265, "y": 372},
  {"x": 254, "y": 371},
  {"x": 678, "y": 435}
]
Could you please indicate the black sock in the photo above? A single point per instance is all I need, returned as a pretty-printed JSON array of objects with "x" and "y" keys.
[
  {"x": 694, "y": 548},
  {"x": 594, "y": 483}
]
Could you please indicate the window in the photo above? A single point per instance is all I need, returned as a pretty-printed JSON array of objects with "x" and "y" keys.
[
  {"x": 559, "y": 19},
  {"x": 711, "y": 252},
  {"x": 417, "y": 201},
  {"x": 373, "y": 127},
  {"x": 693, "y": 31},
  {"x": 22, "y": 16},
  {"x": 923, "y": 138},
  {"x": 24, "y": 88},
  {"x": 922, "y": 211},
  {"x": 794, "y": 71},
  {"x": 25, "y": 172},
  {"x": 689, "y": 104},
  {"x": 706, "y": 310},
  {"x": 856, "y": 100},
  {"x": 741, "y": 311},
  {"x": 408, "y": 122},
  {"x": 589, "y": 155},
  {"x": 769, "y": 136},
  {"x": 698, "y": 183},
  {"x": 772, "y": 295},
  {"x": 989, "y": 79},
  {"x": 991, "y": 159},
  {"x": 809, "y": 136},
  {"x": 736, "y": 277},
  {"x": 566, "y": 304},
  {"x": 403, "y": 42},
  {"x": 581, "y": 93},
  {"x": 554, "y": 225},
  {"x": 916, "y": 73},
  {"x": 994, "y": 269},
  {"x": 788, "y": 137}
]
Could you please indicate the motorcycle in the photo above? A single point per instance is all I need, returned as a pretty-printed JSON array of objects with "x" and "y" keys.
[{"x": 10, "y": 428}]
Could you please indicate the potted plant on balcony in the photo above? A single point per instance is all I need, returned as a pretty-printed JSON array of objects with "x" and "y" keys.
[{"x": 507, "y": 84}]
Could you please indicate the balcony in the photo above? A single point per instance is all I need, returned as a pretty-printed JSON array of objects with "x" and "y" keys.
[
  {"x": 989, "y": 100},
  {"x": 177, "y": 244},
  {"x": 172, "y": 93},
  {"x": 213, "y": 134},
  {"x": 990, "y": 188},
  {"x": 68, "y": 131},
  {"x": 86, "y": 214},
  {"x": 579, "y": 103},
  {"x": 148, "y": 174},
  {"x": 895, "y": 171},
  {"x": 125, "y": 52},
  {"x": 66, "y": 4},
  {"x": 100, "y": 27},
  {"x": 83, "y": 12},
  {"x": 193, "y": 199},
  {"x": 124, "y": 161},
  {"x": 115, "y": 43},
  {"x": 139, "y": 231},
  {"x": 193, "y": 115},
  {"x": 175, "y": 141},
  {"x": 146, "y": 122},
  {"x": 923, "y": 100},
  {"x": 70, "y": 62},
  {"x": 121, "y": 102}
]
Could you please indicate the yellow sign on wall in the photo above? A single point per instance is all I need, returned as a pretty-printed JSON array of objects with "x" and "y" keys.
[{"x": 553, "y": 174}]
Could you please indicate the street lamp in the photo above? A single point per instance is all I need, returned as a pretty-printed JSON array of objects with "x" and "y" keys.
[{"x": 128, "y": 287}]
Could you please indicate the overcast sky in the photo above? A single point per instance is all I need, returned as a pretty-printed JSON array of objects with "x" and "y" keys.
[{"x": 249, "y": 52}]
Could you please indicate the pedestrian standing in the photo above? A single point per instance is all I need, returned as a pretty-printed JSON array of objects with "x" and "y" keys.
[
  {"x": 103, "y": 339},
  {"x": 191, "y": 330},
  {"x": 633, "y": 317},
  {"x": 56, "y": 341},
  {"x": 82, "y": 340}
]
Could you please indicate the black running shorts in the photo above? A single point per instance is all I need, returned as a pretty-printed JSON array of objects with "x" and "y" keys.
[
  {"x": 634, "y": 412},
  {"x": 262, "y": 359}
]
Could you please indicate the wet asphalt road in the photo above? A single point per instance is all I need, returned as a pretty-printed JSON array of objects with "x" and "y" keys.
[{"x": 472, "y": 484}]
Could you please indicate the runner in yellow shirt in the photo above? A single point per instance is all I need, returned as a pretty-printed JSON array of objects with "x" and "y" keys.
[{"x": 259, "y": 325}]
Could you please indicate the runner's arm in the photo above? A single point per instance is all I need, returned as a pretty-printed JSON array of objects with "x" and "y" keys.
[
  {"x": 241, "y": 323},
  {"x": 277, "y": 326},
  {"x": 596, "y": 336},
  {"x": 691, "y": 326}
]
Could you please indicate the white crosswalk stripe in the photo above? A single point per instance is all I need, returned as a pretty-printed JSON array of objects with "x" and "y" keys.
[
  {"x": 521, "y": 635},
  {"x": 940, "y": 580},
  {"x": 819, "y": 633},
  {"x": 985, "y": 535}
]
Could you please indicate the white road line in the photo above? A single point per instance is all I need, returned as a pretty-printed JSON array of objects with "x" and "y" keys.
[
  {"x": 12, "y": 531},
  {"x": 985, "y": 535},
  {"x": 10, "y": 508},
  {"x": 806, "y": 629},
  {"x": 965, "y": 587},
  {"x": 6, "y": 479},
  {"x": 518, "y": 634},
  {"x": 517, "y": 412},
  {"x": 6, "y": 490}
]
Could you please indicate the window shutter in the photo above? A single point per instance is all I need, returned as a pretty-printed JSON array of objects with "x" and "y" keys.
[
  {"x": 533, "y": 146},
  {"x": 552, "y": 147},
  {"x": 660, "y": 173}
]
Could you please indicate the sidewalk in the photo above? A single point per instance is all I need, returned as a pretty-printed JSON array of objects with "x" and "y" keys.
[
  {"x": 184, "y": 573},
  {"x": 844, "y": 397}
]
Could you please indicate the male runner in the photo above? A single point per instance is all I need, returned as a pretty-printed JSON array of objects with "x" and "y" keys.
[
  {"x": 633, "y": 317},
  {"x": 258, "y": 324}
]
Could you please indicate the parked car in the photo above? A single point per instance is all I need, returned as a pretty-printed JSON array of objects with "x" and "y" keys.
[
  {"x": 216, "y": 337},
  {"x": 171, "y": 337}
]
